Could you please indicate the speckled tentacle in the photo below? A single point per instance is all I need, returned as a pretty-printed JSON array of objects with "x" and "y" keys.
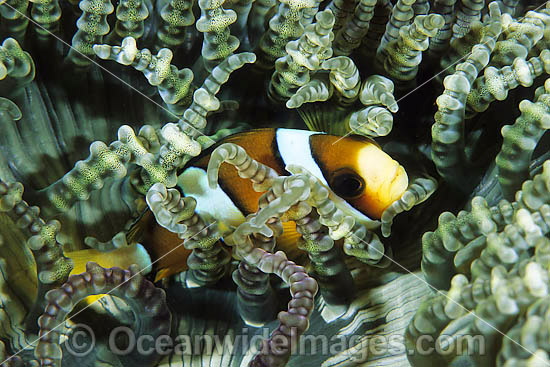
[
  {"x": 218, "y": 43},
  {"x": 293, "y": 322},
  {"x": 359, "y": 242},
  {"x": 349, "y": 37},
  {"x": 158, "y": 156},
  {"x": 316, "y": 90},
  {"x": 501, "y": 215},
  {"x": 496, "y": 83},
  {"x": 403, "y": 56},
  {"x": 260, "y": 174},
  {"x": 378, "y": 90},
  {"x": 512, "y": 293},
  {"x": 261, "y": 229},
  {"x": 13, "y": 13},
  {"x": 330, "y": 271},
  {"x": 13, "y": 312},
  {"x": 520, "y": 234},
  {"x": 521, "y": 139},
  {"x": 365, "y": 245},
  {"x": 441, "y": 41},
  {"x": 250, "y": 237},
  {"x": 112, "y": 161},
  {"x": 344, "y": 77},
  {"x": 89, "y": 174},
  {"x": 13, "y": 361},
  {"x": 520, "y": 36},
  {"x": 527, "y": 341},
  {"x": 242, "y": 8},
  {"x": 193, "y": 120},
  {"x": 119, "y": 240},
  {"x": 147, "y": 302},
  {"x": 47, "y": 14},
  {"x": 284, "y": 26},
  {"x": 15, "y": 63},
  {"x": 430, "y": 319},
  {"x": 9, "y": 110},
  {"x": 544, "y": 15},
  {"x": 401, "y": 15},
  {"x": 421, "y": 7},
  {"x": 528, "y": 334},
  {"x": 448, "y": 142},
  {"x": 209, "y": 259},
  {"x": 342, "y": 10},
  {"x": 536, "y": 192},
  {"x": 256, "y": 299},
  {"x": 371, "y": 121},
  {"x": 286, "y": 191},
  {"x": 496, "y": 300},
  {"x": 474, "y": 243},
  {"x": 303, "y": 56},
  {"x": 257, "y": 18},
  {"x": 376, "y": 119},
  {"x": 468, "y": 11},
  {"x": 463, "y": 236},
  {"x": 169, "y": 208},
  {"x": 92, "y": 26},
  {"x": 177, "y": 148},
  {"x": 284, "y": 198},
  {"x": 513, "y": 244},
  {"x": 176, "y": 16},
  {"x": 130, "y": 20},
  {"x": 174, "y": 85},
  {"x": 504, "y": 248},
  {"x": 418, "y": 192},
  {"x": 377, "y": 28},
  {"x": 459, "y": 50},
  {"x": 436, "y": 314},
  {"x": 52, "y": 266}
]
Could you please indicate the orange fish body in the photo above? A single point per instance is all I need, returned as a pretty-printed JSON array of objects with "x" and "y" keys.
[{"x": 365, "y": 179}]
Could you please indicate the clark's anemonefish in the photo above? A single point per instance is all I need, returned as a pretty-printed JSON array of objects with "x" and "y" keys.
[{"x": 365, "y": 179}]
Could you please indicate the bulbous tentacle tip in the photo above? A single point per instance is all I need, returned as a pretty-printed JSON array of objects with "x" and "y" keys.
[
  {"x": 92, "y": 267},
  {"x": 9, "y": 107},
  {"x": 3, "y": 71}
]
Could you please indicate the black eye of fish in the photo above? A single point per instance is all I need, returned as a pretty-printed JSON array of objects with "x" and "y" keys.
[{"x": 347, "y": 185}]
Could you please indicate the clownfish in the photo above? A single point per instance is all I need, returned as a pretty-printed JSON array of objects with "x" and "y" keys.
[{"x": 365, "y": 179}]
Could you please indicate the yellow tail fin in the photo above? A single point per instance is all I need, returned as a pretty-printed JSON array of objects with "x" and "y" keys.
[{"x": 122, "y": 258}]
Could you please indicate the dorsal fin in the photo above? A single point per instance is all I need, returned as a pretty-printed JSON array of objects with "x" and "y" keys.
[{"x": 319, "y": 117}]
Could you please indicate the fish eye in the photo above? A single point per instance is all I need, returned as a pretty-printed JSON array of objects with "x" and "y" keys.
[{"x": 347, "y": 184}]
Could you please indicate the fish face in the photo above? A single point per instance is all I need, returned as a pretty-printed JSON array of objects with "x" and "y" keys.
[{"x": 361, "y": 173}]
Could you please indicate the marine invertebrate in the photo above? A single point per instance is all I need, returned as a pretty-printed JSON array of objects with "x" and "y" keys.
[
  {"x": 302, "y": 287},
  {"x": 147, "y": 302},
  {"x": 507, "y": 268},
  {"x": 309, "y": 69}
]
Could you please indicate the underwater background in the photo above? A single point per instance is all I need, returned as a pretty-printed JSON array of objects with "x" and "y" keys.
[{"x": 104, "y": 105}]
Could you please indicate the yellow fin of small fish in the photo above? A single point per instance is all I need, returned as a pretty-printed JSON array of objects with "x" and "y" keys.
[
  {"x": 288, "y": 243},
  {"x": 166, "y": 272},
  {"x": 122, "y": 258}
]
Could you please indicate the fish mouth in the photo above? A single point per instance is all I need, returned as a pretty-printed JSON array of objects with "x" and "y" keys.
[
  {"x": 393, "y": 188},
  {"x": 398, "y": 184}
]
